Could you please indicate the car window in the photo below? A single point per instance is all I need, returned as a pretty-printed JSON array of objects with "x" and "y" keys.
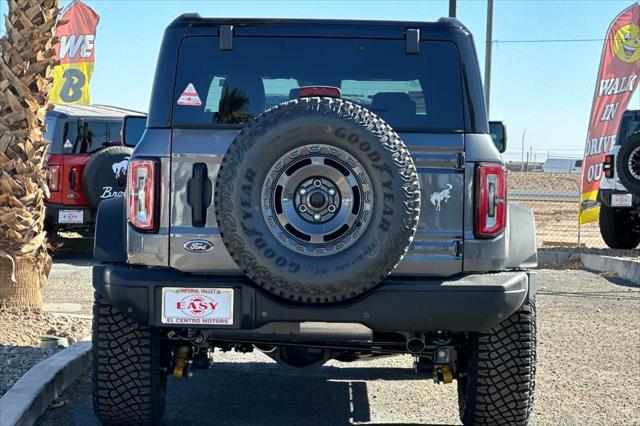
[
  {"x": 70, "y": 136},
  {"x": 50, "y": 128},
  {"x": 92, "y": 135},
  {"x": 411, "y": 92},
  {"x": 82, "y": 137},
  {"x": 115, "y": 131}
]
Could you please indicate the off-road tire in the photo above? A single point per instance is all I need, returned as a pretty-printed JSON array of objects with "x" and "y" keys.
[
  {"x": 499, "y": 382},
  {"x": 620, "y": 228},
  {"x": 629, "y": 147},
  {"x": 280, "y": 269},
  {"x": 128, "y": 386}
]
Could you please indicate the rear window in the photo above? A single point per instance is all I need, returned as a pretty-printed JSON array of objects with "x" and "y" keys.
[
  {"x": 411, "y": 92},
  {"x": 87, "y": 136}
]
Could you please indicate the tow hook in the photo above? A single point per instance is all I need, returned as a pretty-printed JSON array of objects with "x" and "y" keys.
[
  {"x": 443, "y": 374},
  {"x": 182, "y": 363}
]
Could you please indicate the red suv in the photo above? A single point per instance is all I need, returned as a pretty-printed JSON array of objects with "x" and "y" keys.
[{"x": 86, "y": 162}]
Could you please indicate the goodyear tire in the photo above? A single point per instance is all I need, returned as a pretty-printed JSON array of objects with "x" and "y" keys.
[
  {"x": 128, "y": 385},
  {"x": 499, "y": 381},
  {"x": 317, "y": 200},
  {"x": 620, "y": 228},
  {"x": 105, "y": 175},
  {"x": 628, "y": 163}
]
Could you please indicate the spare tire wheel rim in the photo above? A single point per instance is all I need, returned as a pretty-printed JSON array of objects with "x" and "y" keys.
[
  {"x": 317, "y": 200},
  {"x": 634, "y": 163}
]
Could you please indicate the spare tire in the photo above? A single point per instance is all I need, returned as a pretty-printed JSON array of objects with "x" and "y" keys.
[
  {"x": 628, "y": 163},
  {"x": 105, "y": 174},
  {"x": 317, "y": 200}
]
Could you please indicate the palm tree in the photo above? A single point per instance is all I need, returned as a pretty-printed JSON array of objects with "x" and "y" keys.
[{"x": 26, "y": 59}]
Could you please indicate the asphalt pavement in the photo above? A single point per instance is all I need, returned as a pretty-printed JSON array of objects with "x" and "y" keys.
[{"x": 588, "y": 373}]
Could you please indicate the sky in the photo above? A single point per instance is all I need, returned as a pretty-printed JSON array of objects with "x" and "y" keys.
[{"x": 539, "y": 84}]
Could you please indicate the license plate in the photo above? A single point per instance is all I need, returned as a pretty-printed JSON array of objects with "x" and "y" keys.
[
  {"x": 70, "y": 216},
  {"x": 205, "y": 306},
  {"x": 621, "y": 200}
]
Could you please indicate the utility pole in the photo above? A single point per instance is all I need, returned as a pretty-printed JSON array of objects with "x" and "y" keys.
[
  {"x": 522, "y": 159},
  {"x": 452, "y": 8},
  {"x": 487, "y": 62}
]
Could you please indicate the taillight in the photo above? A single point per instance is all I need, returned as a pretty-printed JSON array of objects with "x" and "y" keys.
[
  {"x": 607, "y": 166},
  {"x": 141, "y": 194},
  {"x": 53, "y": 177},
  {"x": 491, "y": 200},
  {"x": 329, "y": 91}
]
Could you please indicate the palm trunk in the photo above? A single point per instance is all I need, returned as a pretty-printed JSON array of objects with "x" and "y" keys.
[{"x": 26, "y": 61}]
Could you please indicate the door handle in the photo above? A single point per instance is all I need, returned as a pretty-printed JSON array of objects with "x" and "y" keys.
[{"x": 199, "y": 194}]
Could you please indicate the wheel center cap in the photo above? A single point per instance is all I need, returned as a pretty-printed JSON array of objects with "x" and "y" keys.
[{"x": 317, "y": 200}]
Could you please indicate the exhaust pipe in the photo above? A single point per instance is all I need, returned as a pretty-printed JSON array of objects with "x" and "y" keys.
[{"x": 415, "y": 343}]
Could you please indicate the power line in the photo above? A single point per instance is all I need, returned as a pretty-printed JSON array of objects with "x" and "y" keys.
[{"x": 559, "y": 40}]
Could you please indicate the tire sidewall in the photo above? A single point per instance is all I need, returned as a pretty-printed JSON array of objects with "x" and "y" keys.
[
  {"x": 336, "y": 276},
  {"x": 105, "y": 175},
  {"x": 622, "y": 161}
]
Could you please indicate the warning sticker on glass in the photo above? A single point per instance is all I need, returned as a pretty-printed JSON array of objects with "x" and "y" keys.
[{"x": 190, "y": 97}]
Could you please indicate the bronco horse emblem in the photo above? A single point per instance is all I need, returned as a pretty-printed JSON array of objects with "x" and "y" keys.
[
  {"x": 439, "y": 197},
  {"x": 120, "y": 168}
]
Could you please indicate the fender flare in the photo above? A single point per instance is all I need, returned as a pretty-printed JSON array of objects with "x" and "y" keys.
[
  {"x": 523, "y": 250},
  {"x": 110, "y": 236}
]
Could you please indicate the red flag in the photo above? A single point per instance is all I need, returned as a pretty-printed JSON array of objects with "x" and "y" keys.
[
  {"x": 617, "y": 80},
  {"x": 76, "y": 32}
]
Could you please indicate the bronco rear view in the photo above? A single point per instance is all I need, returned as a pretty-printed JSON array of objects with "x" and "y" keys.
[{"x": 316, "y": 190}]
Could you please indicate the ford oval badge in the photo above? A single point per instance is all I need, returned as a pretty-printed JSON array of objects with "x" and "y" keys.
[{"x": 198, "y": 246}]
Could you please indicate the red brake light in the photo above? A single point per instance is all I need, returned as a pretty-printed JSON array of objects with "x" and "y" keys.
[
  {"x": 332, "y": 92},
  {"x": 607, "y": 166},
  {"x": 491, "y": 200},
  {"x": 53, "y": 177},
  {"x": 141, "y": 194}
]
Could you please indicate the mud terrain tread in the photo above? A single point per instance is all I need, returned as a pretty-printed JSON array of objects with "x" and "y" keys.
[
  {"x": 622, "y": 163},
  {"x": 500, "y": 382},
  {"x": 229, "y": 226},
  {"x": 128, "y": 387},
  {"x": 620, "y": 228}
]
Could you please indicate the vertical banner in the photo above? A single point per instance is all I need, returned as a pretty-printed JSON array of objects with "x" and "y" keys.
[
  {"x": 617, "y": 80},
  {"x": 76, "y": 33}
]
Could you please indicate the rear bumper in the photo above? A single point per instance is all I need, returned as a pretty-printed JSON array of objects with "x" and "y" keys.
[
  {"x": 52, "y": 212},
  {"x": 467, "y": 303},
  {"x": 604, "y": 196}
]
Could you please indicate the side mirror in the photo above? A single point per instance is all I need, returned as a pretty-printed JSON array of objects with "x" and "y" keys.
[
  {"x": 499, "y": 135},
  {"x": 133, "y": 128}
]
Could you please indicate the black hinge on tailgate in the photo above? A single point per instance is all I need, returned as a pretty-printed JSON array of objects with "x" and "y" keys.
[
  {"x": 460, "y": 160},
  {"x": 413, "y": 42}
]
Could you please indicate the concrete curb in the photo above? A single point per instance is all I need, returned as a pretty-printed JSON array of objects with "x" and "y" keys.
[
  {"x": 625, "y": 268},
  {"x": 31, "y": 395},
  {"x": 555, "y": 258}
]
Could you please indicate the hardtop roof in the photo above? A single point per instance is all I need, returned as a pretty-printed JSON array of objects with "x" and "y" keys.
[
  {"x": 304, "y": 26},
  {"x": 102, "y": 111}
]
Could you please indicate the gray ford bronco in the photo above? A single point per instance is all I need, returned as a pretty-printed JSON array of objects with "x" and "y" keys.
[{"x": 316, "y": 190}]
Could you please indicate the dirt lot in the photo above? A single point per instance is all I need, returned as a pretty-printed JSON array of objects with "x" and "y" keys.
[
  {"x": 552, "y": 181},
  {"x": 588, "y": 373},
  {"x": 557, "y": 221}
]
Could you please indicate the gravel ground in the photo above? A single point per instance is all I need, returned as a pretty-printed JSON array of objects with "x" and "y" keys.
[
  {"x": 20, "y": 333},
  {"x": 588, "y": 373}
]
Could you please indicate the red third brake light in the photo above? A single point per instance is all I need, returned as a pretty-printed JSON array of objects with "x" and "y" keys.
[
  {"x": 329, "y": 91},
  {"x": 491, "y": 200},
  {"x": 141, "y": 195}
]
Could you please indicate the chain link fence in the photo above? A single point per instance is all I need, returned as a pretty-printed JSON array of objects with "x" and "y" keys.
[{"x": 554, "y": 198}]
